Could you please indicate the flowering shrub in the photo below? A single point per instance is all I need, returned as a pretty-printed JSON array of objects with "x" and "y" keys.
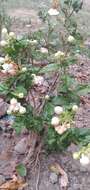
[{"x": 43, "y": 95}]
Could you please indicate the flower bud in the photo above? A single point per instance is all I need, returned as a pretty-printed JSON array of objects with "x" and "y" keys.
[
  {"x": 75, "y": 108},
  {"x": 68, "y": 125},
  {"x": 47, "y": 97},
  {"x": 4, "y": 31},
  {"x": 3, "y": 43},
  {"x": 21, "y": 95},
  {"x": 24, "y": 69}
]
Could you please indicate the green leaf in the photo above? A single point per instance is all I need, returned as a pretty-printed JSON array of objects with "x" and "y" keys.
[
  {"x": 50, "y": 68},
  {"x": 19, "y": 89},
  {"x": 3, "y": 89},
  {"x": 21, "y": 169},
  {"x": 83, "y": 89}
]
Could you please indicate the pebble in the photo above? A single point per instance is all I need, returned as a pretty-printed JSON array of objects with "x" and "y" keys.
[
  {"x": 21, "y": 146},
  {"x": 53, "y": 178}
]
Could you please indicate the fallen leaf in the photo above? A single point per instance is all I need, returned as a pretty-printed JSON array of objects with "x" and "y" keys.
[
  {"x": 13, "y": 184},
  {"x": 56, "y": 168}
]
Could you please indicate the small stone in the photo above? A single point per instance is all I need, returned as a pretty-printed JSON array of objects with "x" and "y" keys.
[
  {"x": 2, "y": 179},
  {"x": 21, "y": 146},
  {"x": 53, "y": 178}
]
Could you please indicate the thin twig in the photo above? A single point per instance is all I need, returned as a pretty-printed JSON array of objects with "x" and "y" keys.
[{"x": 38, "y": 177}]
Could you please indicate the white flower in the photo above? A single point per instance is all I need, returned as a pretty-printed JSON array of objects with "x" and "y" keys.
[
  {"x": 38, "y": 80},
  {"x": 75, "y": 108},
  {"x": 33, "y": 75},
  {"x": 22, "y": 110},
  {"x": 4, "y": 31},
  {"x": 60, "y": 129},
  {"x": 2, "y": 59},
  {"x": 53, "y": 12},
  {"x": 44, "y": 50},
  {"x": 21, "y": 95},
  {"x": 84, "y": 160},
  {"x": 75, "y": 155},
  {"x": 47, "y": 97},
  {"x": 58, "y": 110},
  {"x": 4, "y": 34},
  {"x": 9, "y": 111},
  {"x": 68, "y": 125},
  {"x": 3, "y": 43},
  {"x": 13, "y": 101},
  {"x": 24, "y": 69},
  {"x": 12, "y": 35},
  {"x": 59, "y": 54},
  {"x": 71, "y": 39},
  {"x": 33, "y": 42},
  {"x": 55, "y": 121},
  {"x": 16, "y": 108},
  {"x": 7, "y": 66}
]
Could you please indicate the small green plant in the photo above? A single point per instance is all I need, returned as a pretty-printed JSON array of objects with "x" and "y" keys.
[{"x": 45, "y": 99}]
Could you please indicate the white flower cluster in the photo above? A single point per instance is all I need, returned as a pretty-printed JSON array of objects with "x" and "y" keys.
[
  {"x": 15, "y": 107},
  {"x": 71, "y": 39},
  {"x": 84, "y": 158},
  {"x": 61, "y": 128},
  {"x": 24, "y": 69},
  {"x": 83, "y": 155},
  {"x": 6, "y": 37},
  {"x": 37, "y": 80},
  {"x": 59, "y": 55},
  {"x": 53, "y": 12},
  {"x": 32, "y": 42},
  {"x": 7, "y": 68},
  {"x": 44, "y": 50}
]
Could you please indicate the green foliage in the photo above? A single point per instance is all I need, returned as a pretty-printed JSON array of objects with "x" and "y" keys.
[
  {"x": 77, "y": 136},
  {"x": 29, "y": 120}
]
